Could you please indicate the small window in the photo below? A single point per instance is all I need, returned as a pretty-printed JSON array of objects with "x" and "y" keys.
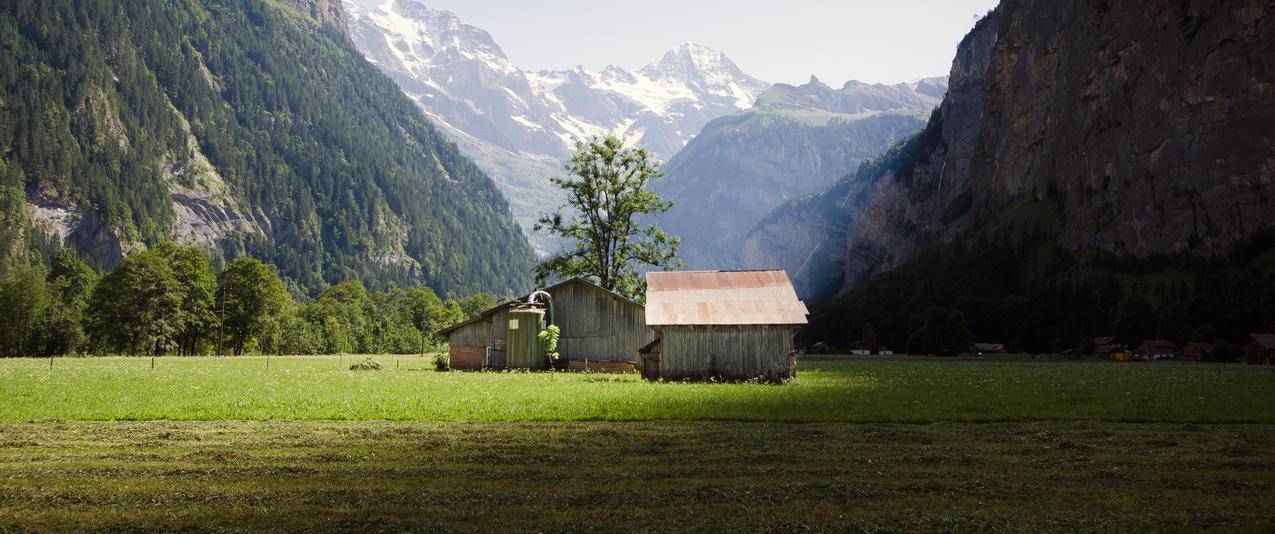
[{"x": 513, "y": 324}]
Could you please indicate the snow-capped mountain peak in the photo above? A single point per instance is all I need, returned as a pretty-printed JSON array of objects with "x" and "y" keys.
[
  {"x": 693, "y": 61},
  {"x": 708, "y": 70},
  {"x": 519, "y": 125}
]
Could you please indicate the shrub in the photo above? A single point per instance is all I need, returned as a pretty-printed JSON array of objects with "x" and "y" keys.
[
  {"x": 549, "y": 341},
  {"x": 441, "y": 364},
  {"x": 367, "y": 364}
]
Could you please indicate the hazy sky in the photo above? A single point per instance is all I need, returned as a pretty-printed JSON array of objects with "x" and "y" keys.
[{"x": 775, "y": 40}]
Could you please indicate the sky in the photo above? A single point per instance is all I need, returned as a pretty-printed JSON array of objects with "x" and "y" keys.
[{"x": 778, "y": 41}]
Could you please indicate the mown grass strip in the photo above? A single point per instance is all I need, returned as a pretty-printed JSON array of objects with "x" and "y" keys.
[{"x": 647, "y": 476}]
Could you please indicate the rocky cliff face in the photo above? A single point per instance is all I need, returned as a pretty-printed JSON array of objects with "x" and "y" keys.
[
  {"x": 902, "y": 208},
  {"x": 1150, "y": 125},
  {"x": 328, "y": 12}
]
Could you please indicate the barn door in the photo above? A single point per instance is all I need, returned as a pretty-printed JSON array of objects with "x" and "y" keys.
[
  {"x": 497, "y": 356},
  {"x": 650, "y": 356}
]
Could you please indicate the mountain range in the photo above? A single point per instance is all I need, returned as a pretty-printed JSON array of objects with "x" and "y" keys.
[
  {"x": 794, "y": 141},
  {"x": 519, "y": 125}
]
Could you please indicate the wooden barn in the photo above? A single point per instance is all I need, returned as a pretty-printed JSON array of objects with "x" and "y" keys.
[
  {"x": 733, "y": 325},
  {"x": 601, "y": 330},
  {"x": 1260, "y": 349},
  {"x": 1198, "y": 352},
  {"x": 1157, "y": 349}
]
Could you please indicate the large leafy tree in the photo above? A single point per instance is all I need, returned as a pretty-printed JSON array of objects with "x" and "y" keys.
[
  {"x": 345, "y": 313},
  {"x": 476, "y": 304},
  {"x": 607, "y": 196},
  {"x": 250, "y": 297},
  {"x": 23, "y": 301},
  {"x": 71, "y": 283},
  {"x": 137, "y": 306},
  {"x": 196, "y": 320}
]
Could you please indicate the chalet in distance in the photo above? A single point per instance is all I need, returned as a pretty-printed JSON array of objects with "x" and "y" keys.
[{"x": 1260, "y": 349}]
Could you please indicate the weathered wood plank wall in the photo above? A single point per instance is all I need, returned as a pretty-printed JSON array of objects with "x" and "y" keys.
[
  {"x": 478, "y": 333},
  {"x": 732, "y": 352},
  {"x": 596, "y": 325}
]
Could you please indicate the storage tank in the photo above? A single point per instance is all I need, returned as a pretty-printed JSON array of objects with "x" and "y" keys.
[{"x": 523, "y": 341}]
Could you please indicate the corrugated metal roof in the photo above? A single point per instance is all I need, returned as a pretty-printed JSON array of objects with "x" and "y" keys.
[{"x": 722, "y": 298}]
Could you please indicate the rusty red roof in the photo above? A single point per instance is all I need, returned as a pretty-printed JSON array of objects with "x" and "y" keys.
[{"x": 722, "y": 298}]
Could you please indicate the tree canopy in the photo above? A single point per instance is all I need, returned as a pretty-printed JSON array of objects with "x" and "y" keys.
[{"x": 607, "y": 197}]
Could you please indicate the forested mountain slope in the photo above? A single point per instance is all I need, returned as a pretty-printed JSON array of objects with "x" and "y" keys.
[
  {"x": 243, "y": 126},
  {"x": 1097, "y": 167}
]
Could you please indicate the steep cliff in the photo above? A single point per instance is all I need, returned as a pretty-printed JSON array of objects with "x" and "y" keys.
[
  {"x": 1097, "y": 166},
  {"x": 1150, "y": 125}
]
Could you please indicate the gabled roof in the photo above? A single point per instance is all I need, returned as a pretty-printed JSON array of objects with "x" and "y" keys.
[
  {"x": 1265, "y": 340},
  {"x": 722, "y": 298},
  {"x": 505, "y": 304}
]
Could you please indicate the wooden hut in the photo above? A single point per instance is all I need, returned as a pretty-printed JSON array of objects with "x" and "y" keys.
[
  {"x": 601, "y": 330},
  {"x": 1198, "y": 352},
  {"x": 734, "y": 325},
  {"x": 1157, "y": 349},
  {"x": 1260, "y": 349}
]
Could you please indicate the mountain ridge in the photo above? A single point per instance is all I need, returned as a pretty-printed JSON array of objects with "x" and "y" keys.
[{"x": 796, "y": 141}]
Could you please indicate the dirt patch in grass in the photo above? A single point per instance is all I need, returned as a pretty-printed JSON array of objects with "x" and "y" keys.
[{"x": 640, "y": 476}]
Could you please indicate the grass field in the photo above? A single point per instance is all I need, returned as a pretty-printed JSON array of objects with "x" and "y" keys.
[
  {"x": 1007, "y": 444},
  {"x": 639, "y": 476},
  {"x": 912, "y": 390}
]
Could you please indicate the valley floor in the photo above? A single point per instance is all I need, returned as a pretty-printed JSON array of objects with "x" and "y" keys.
[
  {"x": 642, "y": 476},
  {"x": 1006, "y": 443}
]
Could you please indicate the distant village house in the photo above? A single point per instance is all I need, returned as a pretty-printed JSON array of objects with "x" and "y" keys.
[
  {"x": 1260, "y": 349},
  {"x": 1157, "y": 349}
]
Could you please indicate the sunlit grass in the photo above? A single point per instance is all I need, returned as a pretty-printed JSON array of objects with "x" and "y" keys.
[{"x": 826, "y": 389}]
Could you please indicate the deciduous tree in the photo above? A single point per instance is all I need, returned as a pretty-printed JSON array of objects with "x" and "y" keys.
[
  {"x": 250, "y": 297},
  {"x": 137, "y": 306},
  {"x": 607, "y": 195}
]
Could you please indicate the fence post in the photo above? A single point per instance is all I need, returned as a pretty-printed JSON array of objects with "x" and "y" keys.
[
  {"x": 267, "y": 361},
  {"x": 50, "y": 363},
  {"x": 152, "y": 362}
]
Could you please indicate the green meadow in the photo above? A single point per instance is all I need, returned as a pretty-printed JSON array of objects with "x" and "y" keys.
[
  {"x": 827, "y": 389},
  {"x": 853, "y": 444}
]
